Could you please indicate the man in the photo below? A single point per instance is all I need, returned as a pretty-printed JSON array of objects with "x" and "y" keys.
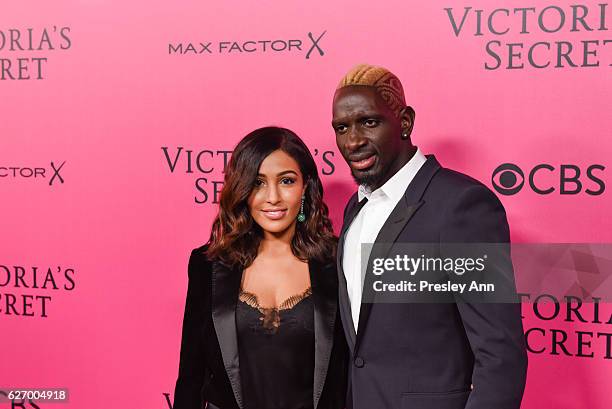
[{"x": 416, "y": 355}]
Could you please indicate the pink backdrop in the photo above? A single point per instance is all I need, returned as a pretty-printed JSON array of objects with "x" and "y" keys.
[{"x": 102, "y": 92}]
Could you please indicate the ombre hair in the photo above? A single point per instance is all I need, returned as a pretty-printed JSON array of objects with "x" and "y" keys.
[
  {"x": 386, "y": 84},
  {"x": 235, "y": 237}
]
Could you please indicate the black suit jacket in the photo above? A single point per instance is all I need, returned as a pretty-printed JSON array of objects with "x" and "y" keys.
[
  {"x": 428, "y": 356},
  {"x": 209, "y": 368}
]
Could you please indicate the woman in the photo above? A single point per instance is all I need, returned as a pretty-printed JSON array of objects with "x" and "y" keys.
[{"x": 261, "y": 327}]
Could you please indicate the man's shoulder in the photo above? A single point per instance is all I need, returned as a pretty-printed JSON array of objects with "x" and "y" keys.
[
  {"x": 453, "y": 184},
  {"x": 453, "y": 179}
]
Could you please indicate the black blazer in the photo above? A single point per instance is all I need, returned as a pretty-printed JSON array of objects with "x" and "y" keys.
[
  {"x": 424, "y": 356},
  {"x": 209, "y": 368}
]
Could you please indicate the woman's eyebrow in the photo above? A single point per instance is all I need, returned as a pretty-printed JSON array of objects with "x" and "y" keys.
[{"x": 284, "y": 172}]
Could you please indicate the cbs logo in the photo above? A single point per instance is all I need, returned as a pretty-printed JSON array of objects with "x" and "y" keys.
[{"x": 508, "y": 179}]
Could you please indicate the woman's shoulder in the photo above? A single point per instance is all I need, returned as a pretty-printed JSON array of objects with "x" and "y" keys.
[
  {"x": 199, "y": 263},
  {"x": 326, "y": 271},
  {"x": 200, "y": 251}
]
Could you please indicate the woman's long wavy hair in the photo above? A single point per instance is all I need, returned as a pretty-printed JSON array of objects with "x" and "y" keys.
[{"x": 235, "y": 237}]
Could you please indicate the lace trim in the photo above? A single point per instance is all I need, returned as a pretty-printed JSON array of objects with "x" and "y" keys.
[
  {"x": 252, "y": 300},
  {"x": 270, "y": 318}
]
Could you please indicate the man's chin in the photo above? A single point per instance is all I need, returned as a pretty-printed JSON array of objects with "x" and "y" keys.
[{"x": 366, "y": 179}]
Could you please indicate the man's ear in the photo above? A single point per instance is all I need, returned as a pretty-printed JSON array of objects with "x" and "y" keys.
[{"x": 407, "y": 121}]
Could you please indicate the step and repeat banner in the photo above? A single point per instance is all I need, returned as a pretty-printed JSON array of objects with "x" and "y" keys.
[{"x": 117, "y": 120}]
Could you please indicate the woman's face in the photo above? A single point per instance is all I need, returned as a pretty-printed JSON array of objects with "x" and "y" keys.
[{"x": 275, "y": 200}]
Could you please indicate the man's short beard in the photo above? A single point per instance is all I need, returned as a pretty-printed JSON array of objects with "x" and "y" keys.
[
  {"x": 370, "y": 182},
  {"x": 373, "y": 181}
]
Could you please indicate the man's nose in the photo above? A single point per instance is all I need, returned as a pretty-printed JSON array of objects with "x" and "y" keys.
[{"x": 354, "y": 140}]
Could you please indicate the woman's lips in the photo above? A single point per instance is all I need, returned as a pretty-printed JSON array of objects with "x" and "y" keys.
[
  {"x": 363, "y": 163},
  {"x": 274, "y": 214}
]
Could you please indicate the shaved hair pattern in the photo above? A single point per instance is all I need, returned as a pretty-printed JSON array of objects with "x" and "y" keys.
[{"x": 387, "y": 85}]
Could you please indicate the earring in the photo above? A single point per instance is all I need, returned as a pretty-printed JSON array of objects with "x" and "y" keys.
[
  {"x": 404, "y": 135},
  {"x": 301, "y": 216}
]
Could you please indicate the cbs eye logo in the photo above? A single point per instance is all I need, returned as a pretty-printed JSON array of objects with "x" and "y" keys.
[{"x": 508, "y": 179}]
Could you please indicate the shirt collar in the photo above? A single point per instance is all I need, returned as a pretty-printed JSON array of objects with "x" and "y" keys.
[{"x": 395, "y": 187}]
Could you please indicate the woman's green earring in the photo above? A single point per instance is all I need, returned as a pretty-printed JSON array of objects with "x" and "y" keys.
[{"x": 301, "y": 216}]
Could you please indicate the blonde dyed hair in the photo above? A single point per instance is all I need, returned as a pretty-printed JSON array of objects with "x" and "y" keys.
[{"x": 386, "y": 84}]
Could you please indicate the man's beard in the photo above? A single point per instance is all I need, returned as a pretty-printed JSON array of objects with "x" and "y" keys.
[
  {"x": 377, "y": 178},
  {"x": 370, "y": 181}
]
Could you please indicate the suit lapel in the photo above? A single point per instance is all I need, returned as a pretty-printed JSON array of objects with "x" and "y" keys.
[
  {"x": 225, "y": 288},
  {"x": 399, "y": 217},
  {"x": 325, "y": 303},
  {"x": 393, "y": 226},
  {"x": 345, "y": 305}
]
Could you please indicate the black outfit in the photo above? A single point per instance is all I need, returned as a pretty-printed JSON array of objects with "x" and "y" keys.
[
  {"x": 277, "y": 365},
  {"x": 211, "y": 358},
  {"x": 423, "y": 356}
]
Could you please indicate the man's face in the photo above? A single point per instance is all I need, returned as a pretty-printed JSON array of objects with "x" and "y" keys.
[{"x": 367, "y": 134}]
